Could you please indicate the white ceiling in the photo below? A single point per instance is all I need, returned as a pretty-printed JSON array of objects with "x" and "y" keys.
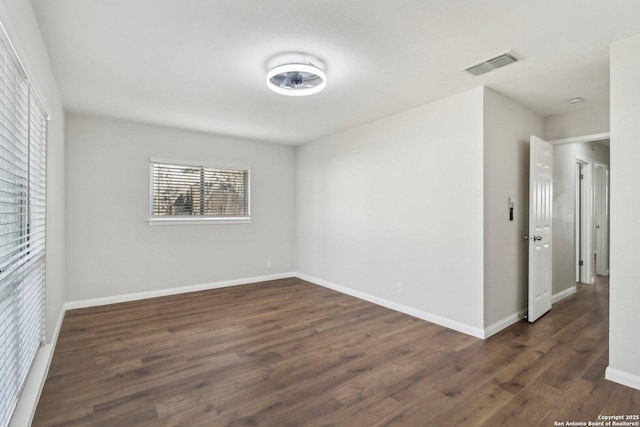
[{"x": 200, "y": 64}]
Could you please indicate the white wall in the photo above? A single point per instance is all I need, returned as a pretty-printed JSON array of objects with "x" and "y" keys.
[
  {"x": 564, "y": 193},
  {"x": 624, "y": 340},
  {"x": 587, "y": 121},
  {"x": 508, "y": 127},
  {"x": 113, "y": 251},
  {"x": 399, "y": 200},
  {"x": 20, "y": 22}
]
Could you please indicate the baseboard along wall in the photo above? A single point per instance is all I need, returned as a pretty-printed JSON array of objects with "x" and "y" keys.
[
  {"x": 563, "y": 294},
  {"x": 433, "y": 318},
  {"x": 622, "y": 377},
  {"x": 94, "y": 302}
]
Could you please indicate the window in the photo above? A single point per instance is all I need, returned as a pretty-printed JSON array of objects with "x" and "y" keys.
[
  {"x": 23, "y": 128},
  {"x": 182, "y": 192}
]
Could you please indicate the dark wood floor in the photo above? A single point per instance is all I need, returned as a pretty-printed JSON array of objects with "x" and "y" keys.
[{"x": 288, "y": 353}]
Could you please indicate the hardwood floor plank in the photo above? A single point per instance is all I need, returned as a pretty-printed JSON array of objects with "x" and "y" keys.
[
  {"x": 367, "y": 412},
  {"x": 584, "y": 402},
  {"x": 420, "y": 411},
  {"x": 623, "y": 401},
  {"x": 516, "y": 376},
  {"x": 477, "y": 408},
  {"x": 527, "y": 408}
]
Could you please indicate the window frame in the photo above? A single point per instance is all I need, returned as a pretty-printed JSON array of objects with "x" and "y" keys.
[
  {"x": 23, "y": 276},
  {"x": 196, "y": 219}
]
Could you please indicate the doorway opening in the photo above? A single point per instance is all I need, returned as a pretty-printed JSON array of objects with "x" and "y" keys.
[
  {"x": 591, "y": 238},
  {"x": 574, "y": 211}
]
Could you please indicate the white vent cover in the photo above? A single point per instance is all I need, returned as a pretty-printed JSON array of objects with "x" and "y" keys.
[{"x": 492, "y": 64}]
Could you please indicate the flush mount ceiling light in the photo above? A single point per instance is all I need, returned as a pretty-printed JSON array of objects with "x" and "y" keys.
[
  {"x": 296, "y": 75},
  {"x": 576, "y": 100}
]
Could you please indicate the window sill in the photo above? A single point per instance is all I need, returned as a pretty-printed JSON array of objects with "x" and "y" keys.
[{"x": 198, "y": 221}]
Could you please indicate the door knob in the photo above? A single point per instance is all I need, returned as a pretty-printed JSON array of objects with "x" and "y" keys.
[{"x": 534, "y": 238}]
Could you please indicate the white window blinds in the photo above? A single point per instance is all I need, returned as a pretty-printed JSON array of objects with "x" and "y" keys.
[
  {"x": 179, "y": 191},
  {"x": 23, "y": 125}
]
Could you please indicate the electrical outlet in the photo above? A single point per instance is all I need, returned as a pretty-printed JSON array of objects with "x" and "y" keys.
[
  {"x": 399, "y": 288},
  {"x": 268, "y": 263}
]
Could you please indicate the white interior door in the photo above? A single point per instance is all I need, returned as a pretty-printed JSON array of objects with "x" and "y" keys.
[
  {"x": 601, "y": 219},
  {"x": 586, "y": 222},
  {"x": 540, "y": 248}
]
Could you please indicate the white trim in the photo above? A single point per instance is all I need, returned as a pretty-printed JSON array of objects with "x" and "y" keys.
[
  {"x": 28, "y": 402},
  {"x": 515, "y": 317},
  {"x": 93, "y": 302},
  {"x": 622, "y": 377},
  {"x": 504, "y": 323},
  {"x": 190, "y": 220},
  {"x": 433, "y": 318},
  {"x": 584, "y": 138},
  {"x": 563, "y": 294}
]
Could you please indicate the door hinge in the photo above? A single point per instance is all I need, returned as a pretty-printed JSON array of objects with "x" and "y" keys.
[
  {"x": 581, "y": 263},
  {"x": 581, "y": 176}
]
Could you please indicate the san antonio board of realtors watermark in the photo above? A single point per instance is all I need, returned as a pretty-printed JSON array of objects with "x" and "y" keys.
[{"x": 604, "y": 421}]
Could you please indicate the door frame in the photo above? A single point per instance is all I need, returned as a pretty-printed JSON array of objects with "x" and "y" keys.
[
  {"x": 584, "y": 193},
  {"x": 585, "y": 138}
]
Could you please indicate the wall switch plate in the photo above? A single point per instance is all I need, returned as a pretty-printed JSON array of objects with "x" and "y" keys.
[
  {"x": 400, "y": 288},
  {"x": 268, "y": 263}
]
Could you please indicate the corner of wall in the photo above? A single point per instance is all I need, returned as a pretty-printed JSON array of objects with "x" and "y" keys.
[
  {"x": 383, "y": 240},
  {"x": 508, "y": 127},
  {"x": 624, "y": 315}
]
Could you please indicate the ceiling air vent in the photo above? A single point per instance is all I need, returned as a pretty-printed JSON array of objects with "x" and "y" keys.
[{"x": 492, "y": 64}]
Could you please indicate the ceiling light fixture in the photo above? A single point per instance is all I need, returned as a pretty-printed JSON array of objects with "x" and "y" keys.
[
  {"x": 576, "y": 100},
  {"x": 296, "y": 75}
]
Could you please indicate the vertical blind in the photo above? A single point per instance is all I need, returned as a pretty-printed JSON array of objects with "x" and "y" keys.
[
  {"x": 23, "y": 128},
  {"x": 192, "y": 190}
]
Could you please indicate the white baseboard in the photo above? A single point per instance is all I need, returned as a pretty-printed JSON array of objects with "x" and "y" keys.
[
  {"x": 622, "y": 377},
  {"x": 563, "y": 294},
  {"x": 510, "y": 320},
  {"x": 26, "y": 408},
  {"x": 94, "y": 302},
  {"x": 433, "y": 318},
  {"x": 504, "y": 323}
]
